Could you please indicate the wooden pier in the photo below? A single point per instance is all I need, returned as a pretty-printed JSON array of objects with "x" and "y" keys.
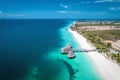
[
  {"x": 70, "y": 51},
  {"x": 84, "y": 50}
]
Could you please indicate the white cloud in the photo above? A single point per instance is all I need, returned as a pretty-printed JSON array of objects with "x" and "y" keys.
[
  {"x": 70, "y": 12},
  {"x": 87, "y": 2},
  {"x": 62, "y": 11},
  {"x": 16, "y": 15},
  {"x": 64, "y": 6},
  {"x": 102, "y": 1},
  {"x": 114, "y": 8},
  {"x": 99, "y": 1},
  {"x": 1, "y": 12}
]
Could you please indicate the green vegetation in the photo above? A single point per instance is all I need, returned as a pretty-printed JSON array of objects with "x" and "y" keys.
[
  {"x": 113, "y": 35},
  {"x": 97, "y": 37}
]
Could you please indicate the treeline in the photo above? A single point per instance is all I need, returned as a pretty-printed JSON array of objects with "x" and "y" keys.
[
  {"x": 113, "y": 35},
  {"x": 97, "y": 38}
]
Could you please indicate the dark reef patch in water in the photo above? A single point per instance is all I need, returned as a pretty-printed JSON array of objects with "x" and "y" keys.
[
  {"x": 70, "y": 69},
  {"x": 49, "y": 70}
]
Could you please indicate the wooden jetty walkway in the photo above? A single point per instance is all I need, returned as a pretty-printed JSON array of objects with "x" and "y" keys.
[
  {"x": 84, "y": 50},
  {"x": 70, "y": 51}
]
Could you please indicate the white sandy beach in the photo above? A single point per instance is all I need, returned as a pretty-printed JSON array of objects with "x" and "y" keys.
[{"x": 106, "y": 68}]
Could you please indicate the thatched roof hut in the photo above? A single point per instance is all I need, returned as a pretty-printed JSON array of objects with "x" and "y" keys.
[
  {"x": 71, "y": 54},
  {"x": 68, "y": 50}
]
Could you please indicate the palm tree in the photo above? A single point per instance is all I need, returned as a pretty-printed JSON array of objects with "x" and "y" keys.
[{"x": 118, "y": 59}]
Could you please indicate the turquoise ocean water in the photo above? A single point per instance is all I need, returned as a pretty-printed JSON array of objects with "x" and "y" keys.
[{"x": 31, "y": 50}]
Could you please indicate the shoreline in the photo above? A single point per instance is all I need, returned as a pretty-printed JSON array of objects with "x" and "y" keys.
[{"x": 107, "y": 69}]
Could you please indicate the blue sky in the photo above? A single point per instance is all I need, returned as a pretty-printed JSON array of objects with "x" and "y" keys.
[{"x": 60, "y": 9}]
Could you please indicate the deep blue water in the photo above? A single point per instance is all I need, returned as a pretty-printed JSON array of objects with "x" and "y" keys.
[
  {"x": 30, "y": 50},
  {"x": 23, "y": 42}
]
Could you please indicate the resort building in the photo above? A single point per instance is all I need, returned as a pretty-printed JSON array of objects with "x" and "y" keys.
[{"x": 96, "y": 25}]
